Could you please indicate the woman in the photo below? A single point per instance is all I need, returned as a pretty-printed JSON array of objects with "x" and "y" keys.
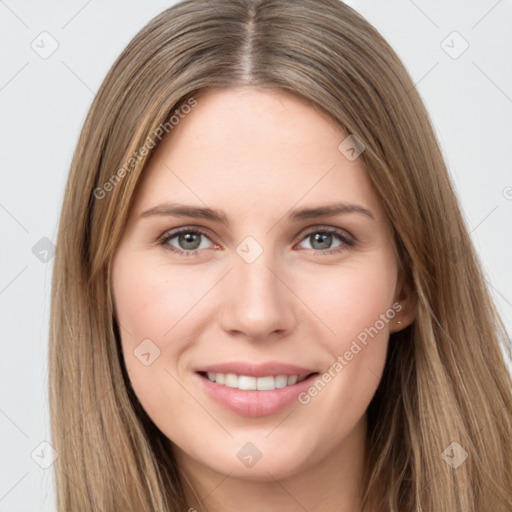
[{"x": 264, "y": 296}]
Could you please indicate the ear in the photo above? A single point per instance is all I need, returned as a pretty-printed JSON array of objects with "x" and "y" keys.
[{"x": 406, "y": 297}]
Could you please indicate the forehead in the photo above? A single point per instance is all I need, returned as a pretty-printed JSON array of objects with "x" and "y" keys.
[
  {"x": 249, "y": 122},
  {"x": 246, "y": 147}
]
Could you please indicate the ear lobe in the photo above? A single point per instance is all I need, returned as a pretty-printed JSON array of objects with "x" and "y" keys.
[{"x": 407, "y": 297}]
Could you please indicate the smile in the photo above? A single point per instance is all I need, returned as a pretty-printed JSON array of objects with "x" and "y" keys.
[{"x": 247, "y": 382}]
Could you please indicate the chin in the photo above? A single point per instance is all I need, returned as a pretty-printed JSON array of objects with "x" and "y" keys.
[{"x": 252, "y": 458}]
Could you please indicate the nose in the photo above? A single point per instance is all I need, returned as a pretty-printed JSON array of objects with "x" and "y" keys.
[{"x": 258, "y": 303}]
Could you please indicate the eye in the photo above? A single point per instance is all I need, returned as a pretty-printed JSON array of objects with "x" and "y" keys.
[
  {"x": 185, "y": 241},
  {"x": 321, "y": 240},
  {"x": 189, "y": 241}
]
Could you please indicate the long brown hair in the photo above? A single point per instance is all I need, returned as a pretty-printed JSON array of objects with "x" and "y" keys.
[{"x": 445, "y": 394}]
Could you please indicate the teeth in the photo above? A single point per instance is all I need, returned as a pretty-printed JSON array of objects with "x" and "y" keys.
[
  {"x": 281, "y": 381},
  {"x": 292, "y": 379},
  {"x": 231, "y": 380},
  {"x": 265, "y": 383},
  {"x": 246, "y": 382}
]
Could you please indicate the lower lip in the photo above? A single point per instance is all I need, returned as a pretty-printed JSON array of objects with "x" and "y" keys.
[{"x": 251, "y": 402}]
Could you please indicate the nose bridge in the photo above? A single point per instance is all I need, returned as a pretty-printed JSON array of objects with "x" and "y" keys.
[{"x": 259, "y": 303}]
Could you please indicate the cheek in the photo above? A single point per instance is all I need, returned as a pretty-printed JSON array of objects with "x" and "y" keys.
[
  {"x": 353, "y": 298},
  {"x": 358, "y": 307},
  {"x": 158, "y": 311},
  {"x": 145, "y": 311},
  {"x": 151, "y": 300}
]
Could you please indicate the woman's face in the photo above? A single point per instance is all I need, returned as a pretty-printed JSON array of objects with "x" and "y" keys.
[{"x": 233, "y": 263}]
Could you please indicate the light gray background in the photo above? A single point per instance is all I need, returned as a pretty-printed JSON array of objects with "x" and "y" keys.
[{"x": 44, "y": 103}]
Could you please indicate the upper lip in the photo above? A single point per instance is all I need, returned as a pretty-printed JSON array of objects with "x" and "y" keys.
[{"x": 257, "y": 369}]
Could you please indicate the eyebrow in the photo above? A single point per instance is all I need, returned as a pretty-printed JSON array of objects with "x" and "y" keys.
[{"x": 181, "y": 210}]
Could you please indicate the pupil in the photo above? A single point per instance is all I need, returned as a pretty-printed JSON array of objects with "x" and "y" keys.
[
  {"x": 189, "y": 240},
  {"x": 324, "y": 240}
]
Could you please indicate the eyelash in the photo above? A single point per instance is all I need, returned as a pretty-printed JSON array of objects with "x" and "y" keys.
[{"x": 345, "y": 238}]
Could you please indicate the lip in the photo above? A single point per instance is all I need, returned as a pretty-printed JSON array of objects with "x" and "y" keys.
[
  {"x": 257, "y": 369},
  {"x": 254, "y": 403}
]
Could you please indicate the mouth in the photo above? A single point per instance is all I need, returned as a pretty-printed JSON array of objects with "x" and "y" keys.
[
  {"x": 254, "y": 388},
  {"x": 254, "y": 396},
  {"x": 252, "y": 383}
]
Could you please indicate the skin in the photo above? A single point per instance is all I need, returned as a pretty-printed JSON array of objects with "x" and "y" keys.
[{"x": 256, "y": 155}]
